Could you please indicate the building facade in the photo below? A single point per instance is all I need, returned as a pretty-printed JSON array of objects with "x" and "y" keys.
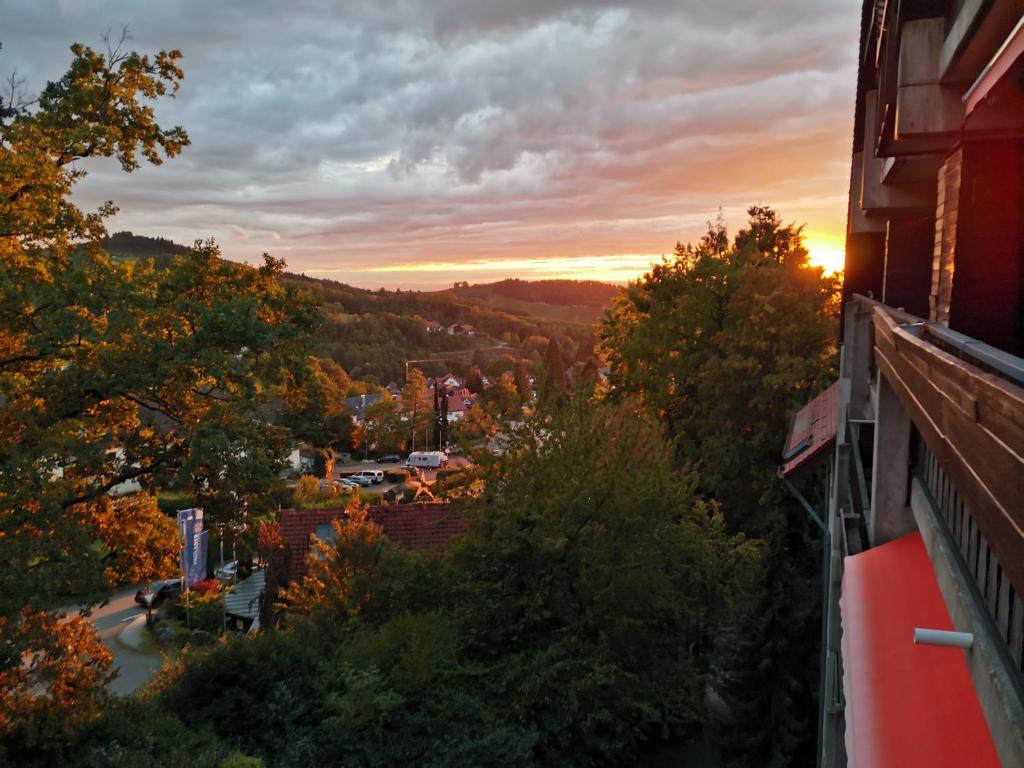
[{"x": 922, "y": 437}]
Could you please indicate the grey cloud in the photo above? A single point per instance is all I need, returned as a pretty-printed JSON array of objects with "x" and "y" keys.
[{"x": 345, "y": 125}]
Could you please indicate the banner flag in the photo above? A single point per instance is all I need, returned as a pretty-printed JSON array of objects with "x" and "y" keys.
[{"x": 193, "y": 545}]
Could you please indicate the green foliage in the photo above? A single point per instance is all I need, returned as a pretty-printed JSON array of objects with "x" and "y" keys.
[
  {"x": 238, "y": 760},
  {"x": 384, "y": 426},
  {"x": 522, "y": 380},
  {"x": 373, "y": 333},
  {"x": 765, "y": 662},
  {"x": 588, "y": 293},
  {"x": 206, "y": 612},
  {"x": 566, "y": 629},
  {"x": 115, "y": 370},
  {"x": 592, "y": 584},
  {"x": 553, "y": 384},
  {"x": 417, "y": 405},
  {"x": 724, "y": 343},
  {"x": 136, "y": 732},
  {"x": 313, "y": 406},
  {"x": 501, "y": 401}
]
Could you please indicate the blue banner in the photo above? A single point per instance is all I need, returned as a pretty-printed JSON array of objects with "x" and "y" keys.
[
  {"x": 193, "y": 545},
  {"x": 197, "y": 566}
]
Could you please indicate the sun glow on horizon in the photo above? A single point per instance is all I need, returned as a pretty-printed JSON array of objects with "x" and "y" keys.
[
  {"x": 824, "y": 251},
  {"x": 619, "y": 268},
  {"x": 827, "y": 253}
]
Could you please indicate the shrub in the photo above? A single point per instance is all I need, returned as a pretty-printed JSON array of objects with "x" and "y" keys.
[
  {"x": 444, "y": 474},
  {"x": 207, "y": 587},
  {"x": 307, "y": 489},
  {"x": 170, "y": 502},
  {"x": 238, "y": 760},
  {"x": 205, "y": 611},
  {"x": 407, "y": 491},
  {"x": 396, "y": 475}
]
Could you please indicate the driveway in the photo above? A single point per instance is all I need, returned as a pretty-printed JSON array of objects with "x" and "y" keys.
[{"x": 134, "y": 669}]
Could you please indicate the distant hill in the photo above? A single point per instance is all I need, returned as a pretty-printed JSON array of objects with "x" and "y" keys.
[
  {"x": 131, "y": 246},
  {"x": 569, "y": 301},
  {"x": 586, "y": 293},
  {"x": 372, "y": 334}
]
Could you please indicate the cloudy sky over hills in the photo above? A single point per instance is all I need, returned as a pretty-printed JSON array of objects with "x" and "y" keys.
[{"x": 417, "y": 142}]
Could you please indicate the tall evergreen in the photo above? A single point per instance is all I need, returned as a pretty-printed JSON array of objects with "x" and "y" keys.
[
  {"x": 554, "y": 376},
  {"x": 765, "y": 666},
  {"x": 523, "y": 382},
  {"x": 475, "y": 381}
]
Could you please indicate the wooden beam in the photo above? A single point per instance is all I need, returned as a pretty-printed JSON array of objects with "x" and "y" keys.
[{"x": 973, "y": 422}]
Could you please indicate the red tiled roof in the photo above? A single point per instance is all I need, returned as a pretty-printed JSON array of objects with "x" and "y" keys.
[
  {"x": 908, "y": 705},
  {"x": 420, "y": 526},
  {"x": 413, "y": 526},
  {"x": 297, "y": 527},
  {"x": 812, "y": 430},
  {"x": 456, "y": 403}
]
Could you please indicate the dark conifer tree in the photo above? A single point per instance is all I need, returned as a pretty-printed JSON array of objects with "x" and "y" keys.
[
  {"x": 554, "y": 383},
  {"x": 475, "y": 381},
  {"x": 523, "y": 381}
]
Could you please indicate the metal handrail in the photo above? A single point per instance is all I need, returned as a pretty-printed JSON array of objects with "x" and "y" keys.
[{"x": 982, "y": 355}]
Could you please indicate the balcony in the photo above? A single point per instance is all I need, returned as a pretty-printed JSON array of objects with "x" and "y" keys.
[{"x": 927, "y": 452}]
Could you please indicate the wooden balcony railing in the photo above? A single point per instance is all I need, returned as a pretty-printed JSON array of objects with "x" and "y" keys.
[{"x": 970, "y": 420}]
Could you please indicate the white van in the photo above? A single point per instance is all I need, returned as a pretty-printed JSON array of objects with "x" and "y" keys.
[
  {"x": 427, "y": 459},
  {"x": 368, "y": 477}
]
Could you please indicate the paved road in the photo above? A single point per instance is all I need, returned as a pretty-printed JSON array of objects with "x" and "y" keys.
[{"x": 134, "y": 669}]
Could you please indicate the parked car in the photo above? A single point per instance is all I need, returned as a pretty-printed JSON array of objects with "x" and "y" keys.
[
  {"x": 389, "y": 458},
  {"x": 347, "y": 484},
  {"x": 368, "y": 477},
  {"x": 152, "y": 595},
  {"x": 227, "y": 572}
]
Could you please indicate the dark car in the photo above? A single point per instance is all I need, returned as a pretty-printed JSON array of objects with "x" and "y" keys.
[
  {"x": 154, "y": 594},
  {"x": 389, "y": 458}
]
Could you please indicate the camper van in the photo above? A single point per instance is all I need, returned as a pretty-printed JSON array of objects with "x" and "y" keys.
[{"x": 427, "y": 459}]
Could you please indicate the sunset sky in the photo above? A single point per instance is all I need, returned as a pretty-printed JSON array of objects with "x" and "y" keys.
[{"x": 418, "y": 142}]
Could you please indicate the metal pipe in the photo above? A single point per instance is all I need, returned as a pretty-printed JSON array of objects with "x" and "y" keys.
[
  {"x": 803, "y": 502},
  {"x": 943, "y": 637}
]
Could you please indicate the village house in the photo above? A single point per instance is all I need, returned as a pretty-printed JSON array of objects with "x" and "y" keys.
[
  {"x": 459, "y": 404},
  {"x": 449, "y": 380},
  {"x": 429, "y": 526},
  {"x": 358, "y": 405}
]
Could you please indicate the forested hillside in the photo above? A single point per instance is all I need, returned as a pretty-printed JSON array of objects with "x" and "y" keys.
[
  {"x": 559, "y": 300},
  {"x": 371, "y": 334}
]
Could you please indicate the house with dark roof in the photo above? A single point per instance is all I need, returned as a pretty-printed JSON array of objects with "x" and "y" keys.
[
  {"x": 357, "y": 405},
  {"x": 430, "y": 526},
  {"x": 459, "y": 404}
]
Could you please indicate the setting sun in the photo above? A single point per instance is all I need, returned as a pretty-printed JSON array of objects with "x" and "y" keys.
[{"x": 827, "y": 253}]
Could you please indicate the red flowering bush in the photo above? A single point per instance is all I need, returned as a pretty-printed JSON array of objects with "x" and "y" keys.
[{"x": 207, "y": 587}]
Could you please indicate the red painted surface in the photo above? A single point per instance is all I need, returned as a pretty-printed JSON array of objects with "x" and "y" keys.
[
  {"x": 812, "y": 431},
  {"x": 907, "y": 705},
  {"x": 413, "y": 526}
]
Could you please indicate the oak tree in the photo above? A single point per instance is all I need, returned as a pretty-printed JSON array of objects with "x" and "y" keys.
[{"x": 112, "y": 370}]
